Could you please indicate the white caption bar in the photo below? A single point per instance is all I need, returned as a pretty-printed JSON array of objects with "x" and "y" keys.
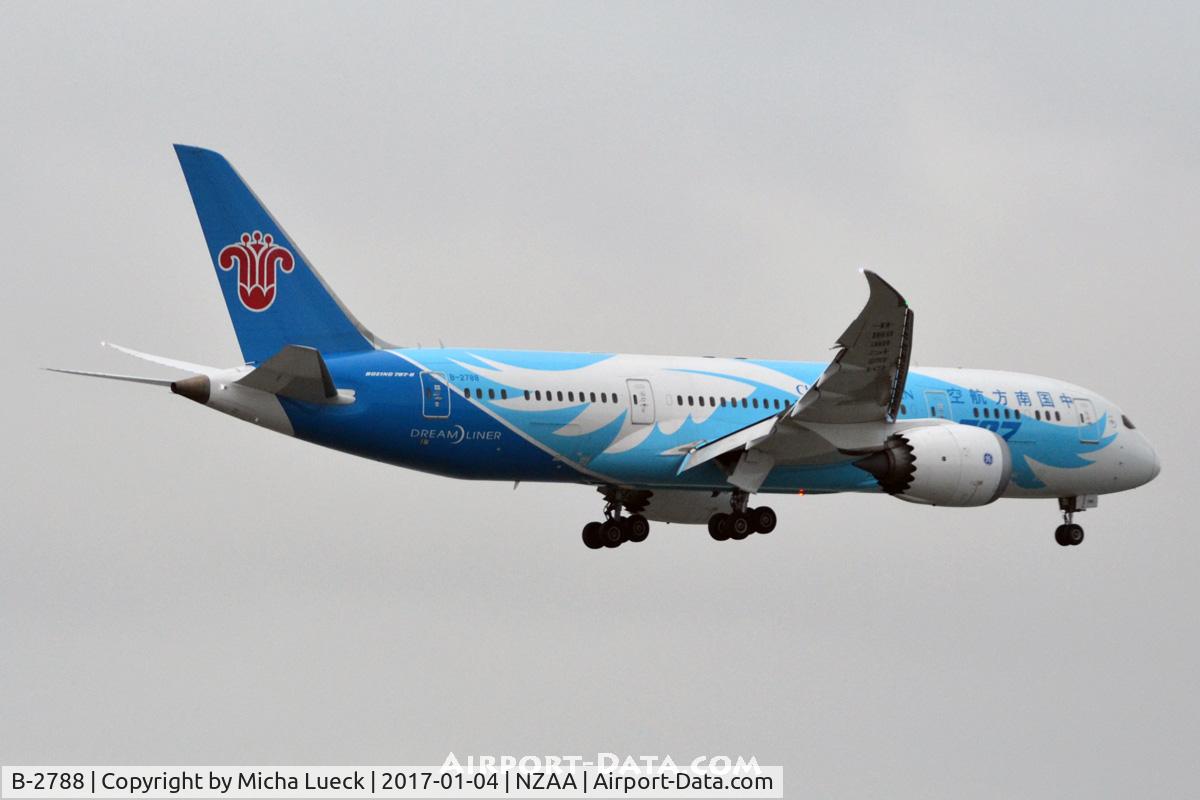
[{"x": 269, "y": 783}]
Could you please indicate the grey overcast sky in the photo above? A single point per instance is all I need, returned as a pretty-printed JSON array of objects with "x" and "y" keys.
[{"x": 177, "y": 587}]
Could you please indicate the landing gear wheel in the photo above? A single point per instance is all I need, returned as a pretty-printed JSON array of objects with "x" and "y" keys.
[
  {"x": 718, "y": 527},
  {"x": 739, "y": 526},
  {"x": 764, "y": 519},
  {"x": 591, "y": 536},
  {"x": 1068, "y": 535},
  {"x": 637, "y": 528},
  {"x": 612, "y": 533}
]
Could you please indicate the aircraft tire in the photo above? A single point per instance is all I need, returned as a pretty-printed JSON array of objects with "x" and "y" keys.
[
  {"x": 637, "y": 528},
  {"x": 591, "y": 536},
  {"x": 1074, "y": 535},
  {"x": 612, "y": 533},
  {"x": 764, "y": 519},
  {"x": 718, "y": 527},
  {"x": 739, "y": 526}
]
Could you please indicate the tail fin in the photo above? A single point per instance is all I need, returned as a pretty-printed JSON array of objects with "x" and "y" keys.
[{"x": 274, "y": 296}]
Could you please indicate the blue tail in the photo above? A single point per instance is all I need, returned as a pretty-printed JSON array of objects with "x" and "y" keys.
[{"x": 275, "y": 297}]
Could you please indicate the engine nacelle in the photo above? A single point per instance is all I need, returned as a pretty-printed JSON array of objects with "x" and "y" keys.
[{"x": 942, "y": 465}]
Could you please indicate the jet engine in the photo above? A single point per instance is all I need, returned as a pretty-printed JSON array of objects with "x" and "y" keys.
[{"x": 942, "y": 465}]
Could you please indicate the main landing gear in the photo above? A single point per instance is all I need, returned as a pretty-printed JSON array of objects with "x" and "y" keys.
[
  {"x": 742, "y": 520},
  {"x": 615, "y": 530},
  {"x": 1068, "y": 534}
]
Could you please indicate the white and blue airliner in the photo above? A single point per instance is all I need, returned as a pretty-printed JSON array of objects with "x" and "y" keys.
[{"x": 672, "y": 439}]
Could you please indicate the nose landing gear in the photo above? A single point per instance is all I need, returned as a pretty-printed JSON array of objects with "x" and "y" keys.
[{"x": 1069, "y": 534}]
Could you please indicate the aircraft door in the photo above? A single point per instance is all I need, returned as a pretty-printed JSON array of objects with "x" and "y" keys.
[
  {"x": 435, "y": 395},
  {"x": 939, "y": 404},
  {"x": 1089, "y": 431},
  {"x": 641, "y": 401}
]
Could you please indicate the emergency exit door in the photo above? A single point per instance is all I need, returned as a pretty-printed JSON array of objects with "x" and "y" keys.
[
  {"x": 1089, "y": 431},
  {"x": 641, "y": 402},
  {"x": 939, "y": 404},
  {"x": 435, "y": 395}
]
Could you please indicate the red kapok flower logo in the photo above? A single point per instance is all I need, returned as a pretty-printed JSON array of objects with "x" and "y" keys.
[{"x": 258, "y": 260}]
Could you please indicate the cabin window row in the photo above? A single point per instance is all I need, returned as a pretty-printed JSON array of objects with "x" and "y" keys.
[
  {"x": 570, "y": 396},
  {"x": 491, "y": 394},
  {"x": 694, "y": 400},
  {"x": 753, "y": 402},
  {"x": 1015, "y": 413}
]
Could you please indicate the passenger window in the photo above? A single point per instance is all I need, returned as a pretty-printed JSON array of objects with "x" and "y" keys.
[
  {"x": 593, "y": 397},
  {"x": 1006, "y": 413},
  {"x": 722, "y": 402},
  {"x": 691, "y": 400},
  {"x": 1037, "y": 414},
  {"x": 904, "y": 410},
  {"x": 755, "y": 402},
  {"x": 679, "y": 399},
  {"x": 1017, "y": 413},
  {"x": 1057, "y": 417},
  {"x": 712, "y": 401},
  {"x": 571, "y": 396},
  {"x": 491, "y": 394},
  {"x": 604, "y": 397},
  {"x": 560, "y": 396},
  {"x": 504, "y": 394},
  {"x": 975, "y": 411},
  {"x": 526, "y": 394},
  {"x": 743, "y": 402}
]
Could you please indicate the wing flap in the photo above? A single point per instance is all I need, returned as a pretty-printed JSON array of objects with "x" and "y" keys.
[{"x": 745, "y": 437}]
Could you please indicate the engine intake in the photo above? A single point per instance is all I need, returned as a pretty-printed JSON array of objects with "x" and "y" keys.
[{"x": 942, "y": 465}]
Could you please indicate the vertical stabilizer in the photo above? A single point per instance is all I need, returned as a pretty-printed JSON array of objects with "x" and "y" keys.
[{"x": 274, "y": 296}]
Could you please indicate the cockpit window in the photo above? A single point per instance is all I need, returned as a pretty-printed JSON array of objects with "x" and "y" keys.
[{"x": 1128, "y": 422}]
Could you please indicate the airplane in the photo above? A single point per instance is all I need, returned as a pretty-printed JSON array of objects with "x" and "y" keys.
[{"x": 671, "y": 439}]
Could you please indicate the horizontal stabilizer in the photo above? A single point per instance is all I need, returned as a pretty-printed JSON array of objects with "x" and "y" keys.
[
  {"x": 173, "y": 363},
  {"x": 297, "y": 372},
  {"x": 111, "y": 377}
]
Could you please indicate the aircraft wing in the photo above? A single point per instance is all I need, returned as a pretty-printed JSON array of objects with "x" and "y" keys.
[
  {"x": 865, "y": 381},
  {"x": 857, "y": 395}
]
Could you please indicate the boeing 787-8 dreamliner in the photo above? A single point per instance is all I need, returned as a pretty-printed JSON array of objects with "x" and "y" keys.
[{"x": 674, "y": 439}]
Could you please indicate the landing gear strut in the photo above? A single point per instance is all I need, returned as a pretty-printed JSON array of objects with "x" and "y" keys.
[
  {"x": 615, "y": 530},
  {"x": 1068, "y": 534},
  {"x": 742, "y": 520}
]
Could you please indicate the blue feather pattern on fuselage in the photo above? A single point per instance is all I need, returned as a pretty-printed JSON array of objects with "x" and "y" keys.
[{"x": 498, "y": 434}]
